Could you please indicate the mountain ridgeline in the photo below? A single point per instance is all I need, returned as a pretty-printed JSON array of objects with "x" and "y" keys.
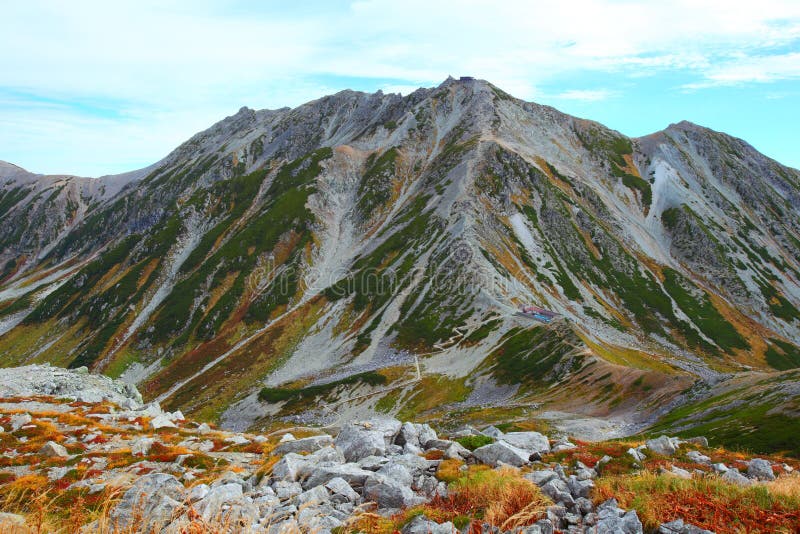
[{"x": 287, "y": 257}]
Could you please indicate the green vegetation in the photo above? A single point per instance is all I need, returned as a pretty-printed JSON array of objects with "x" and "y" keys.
[
  {"x": 292, "y": 395},
  {"x": 530, "y": 356},
  {"x": 375, "y": 188},
  {"x": 473, "y": 442},
  {"x": 782, "y": 355},
  {"x": 738, "y": 420},
  {"x": 703, "y": 313}
]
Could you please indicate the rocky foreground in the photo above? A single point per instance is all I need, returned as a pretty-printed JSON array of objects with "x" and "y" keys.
[{"x": 83, "y": 453}]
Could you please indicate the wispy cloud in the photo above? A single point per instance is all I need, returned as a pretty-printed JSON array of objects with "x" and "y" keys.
[{"x": 586, "y": 95}]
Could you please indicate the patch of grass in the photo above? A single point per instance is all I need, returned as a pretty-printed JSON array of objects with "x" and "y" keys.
[
  {"x": 782, "y": 355},
  {"x": 706, "y": 502},
  {"x": 473, "y": 442},
  {"x": 288, "y": 394}
]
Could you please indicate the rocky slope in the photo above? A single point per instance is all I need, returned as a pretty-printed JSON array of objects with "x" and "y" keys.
[
  {"x": 115, "y": 465},
  {"x": 367, "y": 253}
]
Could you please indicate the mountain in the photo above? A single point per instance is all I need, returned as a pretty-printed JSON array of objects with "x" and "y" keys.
[{"x": 369, "y": 252}]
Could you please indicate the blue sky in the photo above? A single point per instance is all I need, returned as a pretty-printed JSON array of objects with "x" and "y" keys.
[{"x": 93, "y": 88}]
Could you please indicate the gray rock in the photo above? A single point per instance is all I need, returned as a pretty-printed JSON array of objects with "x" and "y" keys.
[
  {"x": 285, "y": 489},
  {"x": 735, "y": 477},
  {"x": 662, "y": 445},
  {"x": 679, "y": 527},
  {"x": 559, "y": 492},
  {"x": 528, "y": 441},
  {"x": 310, "y": 444},
  {"x": 408, "y": 435},
  {"x": 425, "y": 433},
  {"x": 579, "y": 488},
  {"x": 390, "y": 493},
  {"x": 18, "y": 420},
  {"x": 51, "y": 449},
  {"x": 698, "y": 457},
  {"x": 492, "y": 432},
  {"x": 228, "y": 505},
  {"x": 198, "y": 492},
  {"x": 370, "y": 438},
  {"x": 141, "y": 446},
  {"x": 542, "y": 476},
  {"x": 149, "y": 503},
  {"x": 339, "y": 486},
  {"x": 563, "y": 445},
  {"x": 719, "y": 467},
  {"x": 162, "y": 421},
  {"x": 397, "y": 473},
  {"x": 422, "y": 525},
  {"x": 613, "y": 520},
  {"x": 680, "y": 473},
  {"x": 501, "y": 452},
  {"x": 352, "y": 473},
  {"x": 12, "y": 523},
  {"x": 312, "y": 497},
  {"x": 760, "y": 469}
]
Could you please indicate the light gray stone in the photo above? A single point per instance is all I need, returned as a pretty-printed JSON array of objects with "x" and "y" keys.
[
  {"x": 528, "y": 441},
  {"x": 760, "y": 469},
  {"x": 149, "y": 503},
  {"x": 662, "y": 445},
  {"x": 501, "y": 452}
]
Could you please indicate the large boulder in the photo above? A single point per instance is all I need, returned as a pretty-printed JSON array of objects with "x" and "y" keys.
[
  {"x": 351, "y": 473},
  {"x": 51, "y": 449},
  {"x": 422, "y": 525},
  {"x": 663, "y": 445},
  {"x": 311, "y": 444},
  {"x": 611, "y": 519},
  {"x": 528, "y": 441},
  {"x": 369, "y": 438},
  {"x": 149, "y": 504},
  {"x": 760, "y": 469},
  {"x": 390, "y": 493},
  {"x": 679, "y": 527},
  {"x": 227, "y": 505},
  {"x": 500, "y": 452}
]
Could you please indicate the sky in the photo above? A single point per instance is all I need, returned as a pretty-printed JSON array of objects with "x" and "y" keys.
[{"x": 97, "y": 87}]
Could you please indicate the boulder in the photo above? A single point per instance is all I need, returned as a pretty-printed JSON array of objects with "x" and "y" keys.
[
  {"x": 161, "y": 421},
  {"x": 141, "y": 446},
  {"x": 698, "y": 457},
  {"x": 760, "y": 469},
  {"x": 370, "y": 438},
  {"x": 351, "y": 473},
  {"x": 662, "y": 445},
  {"x": 51, "y": 449},
  {"x": 422, "y": 525},
  {"x": 226, "y": 504},
  {"x": 493, "y": 432},
  {"x": 408, "y": 435},
  {"x": 149, "y": 504},
  {"x": 528, "y": 441},
  {"x": 679, "y": 527},
  {"x": 735, "y": 477},
  {"x": 613, "y": 520},
  {"x": 339, "y": 487},
  {"x": 501, "y": 452},
  {"x": 425, "y": 433},
  {"x": 312, "y": 497},
  {"x": 311, "y": 444},
  {"x": 541, "y": 477},
  {"x": 388, "y": 493},
  {"x": 18, "y": 420}
]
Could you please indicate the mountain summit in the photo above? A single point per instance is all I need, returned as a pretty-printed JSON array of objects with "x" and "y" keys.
[{"x": 374, "y": 251}]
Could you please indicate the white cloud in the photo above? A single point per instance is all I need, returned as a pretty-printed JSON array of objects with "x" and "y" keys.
[
  {"x": 586, "y": 95},
  {"x": 173, "y": 64}
]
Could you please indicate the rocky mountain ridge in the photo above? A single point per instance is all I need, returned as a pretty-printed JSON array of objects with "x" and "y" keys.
[{"x": 371, "y": 251}]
